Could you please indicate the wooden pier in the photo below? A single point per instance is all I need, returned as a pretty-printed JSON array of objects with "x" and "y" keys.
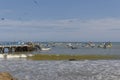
[{"x": 17, "y": 48}]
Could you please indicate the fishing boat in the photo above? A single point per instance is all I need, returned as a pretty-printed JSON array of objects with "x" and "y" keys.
[
  {"x": 105, "y": 45},
  {"x": 89, "y": 44}
]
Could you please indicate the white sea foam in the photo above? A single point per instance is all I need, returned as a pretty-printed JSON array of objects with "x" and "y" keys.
[{"x": 62, "y": 70}]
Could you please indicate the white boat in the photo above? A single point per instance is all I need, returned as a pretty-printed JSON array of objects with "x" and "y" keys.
[
  {"x": 46, "y": 49},
  {"x": 105, "y": 45}
]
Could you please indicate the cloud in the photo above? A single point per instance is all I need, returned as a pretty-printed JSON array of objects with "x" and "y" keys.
[
  {"x": 65, "y": 23},
  {"x": 75, "y": 29},
  {"x": 62, "y": 25}
]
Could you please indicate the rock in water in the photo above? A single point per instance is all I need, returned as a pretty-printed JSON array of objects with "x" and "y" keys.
[{"x": 6, "y": 76}]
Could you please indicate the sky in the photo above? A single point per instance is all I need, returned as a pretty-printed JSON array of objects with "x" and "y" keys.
[{"x": 59, "y": 20}]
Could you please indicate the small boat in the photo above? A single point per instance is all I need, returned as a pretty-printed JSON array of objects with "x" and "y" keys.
[
  {"x": 105, "y": 45},
  {"x": 45, "y": 49},
  {"x": 89, "y": 44}
]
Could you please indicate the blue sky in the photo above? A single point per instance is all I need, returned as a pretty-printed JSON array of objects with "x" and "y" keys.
[{"x": 60, "y": 20}]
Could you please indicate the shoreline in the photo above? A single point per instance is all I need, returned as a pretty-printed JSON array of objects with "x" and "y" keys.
[
  {"x": 72, "y": 57},
  {"x": 69, "y": 57}
]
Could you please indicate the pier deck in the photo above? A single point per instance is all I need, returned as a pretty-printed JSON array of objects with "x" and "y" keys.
[{"x": 16, "y": 48}]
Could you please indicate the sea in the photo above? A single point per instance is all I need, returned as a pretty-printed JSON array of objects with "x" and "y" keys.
[
  {"x": 24, "y": 69},
  {"x": 61, "y": 48}
]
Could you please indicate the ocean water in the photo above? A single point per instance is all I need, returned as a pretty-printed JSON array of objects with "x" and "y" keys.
[
  {"x": 62, "y": 70},
  {"x": 60, "y": 48},
  {"x": 65, "y": 70}
]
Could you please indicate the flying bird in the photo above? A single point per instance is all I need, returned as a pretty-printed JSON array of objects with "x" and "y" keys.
[
  {"x": 2, "y": 18},
  {"x": 35, "y": 2}
]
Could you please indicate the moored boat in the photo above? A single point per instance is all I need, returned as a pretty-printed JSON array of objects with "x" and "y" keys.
[{"x": 45, "y": 49}]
